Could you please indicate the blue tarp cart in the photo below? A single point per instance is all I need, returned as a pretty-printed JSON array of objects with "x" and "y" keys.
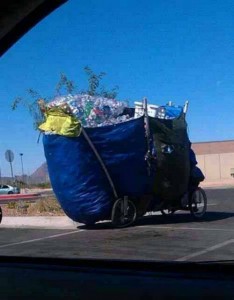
[{"x": 109, "y": 173}]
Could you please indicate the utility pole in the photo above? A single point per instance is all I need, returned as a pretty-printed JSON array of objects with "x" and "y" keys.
[
  {"x": 22, "y": 165},
  {"x": 22, "y": 170}
]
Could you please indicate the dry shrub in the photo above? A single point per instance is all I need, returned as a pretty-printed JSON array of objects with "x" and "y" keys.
[
  {"x": 47, "y": 205},
  {"x": 11, "y": 205}
]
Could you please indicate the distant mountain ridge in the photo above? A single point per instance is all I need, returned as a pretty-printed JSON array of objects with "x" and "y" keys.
[{"x": 41, "y": 174}]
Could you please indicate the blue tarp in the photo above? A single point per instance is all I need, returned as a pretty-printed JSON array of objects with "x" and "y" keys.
[
  {"x": 172, "y": 112},
  {"x": 78, "y": 179}
]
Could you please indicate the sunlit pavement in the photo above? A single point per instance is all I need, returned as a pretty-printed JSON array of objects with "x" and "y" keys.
[{"x": 174, "y": 238}]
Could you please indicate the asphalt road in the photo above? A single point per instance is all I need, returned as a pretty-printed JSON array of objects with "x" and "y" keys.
[{"x": 174, "y": 238}]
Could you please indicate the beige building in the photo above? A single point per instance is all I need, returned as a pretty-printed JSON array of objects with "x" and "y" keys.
[{"x": 215, "y": 159}]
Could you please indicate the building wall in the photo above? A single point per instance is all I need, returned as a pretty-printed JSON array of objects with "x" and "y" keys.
[
  {"x": 216, "y": 166},
  {"x": 213, "y": 147}
]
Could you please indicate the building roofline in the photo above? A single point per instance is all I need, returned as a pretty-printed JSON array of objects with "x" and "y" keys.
[{"x": 209, "y": 142}]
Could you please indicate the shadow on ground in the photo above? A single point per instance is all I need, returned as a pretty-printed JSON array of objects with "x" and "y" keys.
[{"x": 177, "y": 218}]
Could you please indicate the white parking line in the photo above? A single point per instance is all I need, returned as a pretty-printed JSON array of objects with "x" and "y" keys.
[
  {"x": 40, "y": 239},
  {"x": 198, "y": 253}
]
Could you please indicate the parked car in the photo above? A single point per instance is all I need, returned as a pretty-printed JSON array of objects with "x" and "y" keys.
[{"x": 8, "y": 189}]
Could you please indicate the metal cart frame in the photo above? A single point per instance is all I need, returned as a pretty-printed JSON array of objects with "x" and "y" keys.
[{"x": 124, "y": 211}]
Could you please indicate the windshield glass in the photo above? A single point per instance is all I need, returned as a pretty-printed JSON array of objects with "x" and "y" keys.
[{"x": 117, "y": 133}]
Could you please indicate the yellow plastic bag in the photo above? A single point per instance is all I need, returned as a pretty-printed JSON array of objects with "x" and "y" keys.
[{"x": 60, "y": 123}]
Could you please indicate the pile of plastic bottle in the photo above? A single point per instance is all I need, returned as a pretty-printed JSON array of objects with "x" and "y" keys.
[{"x": 92, "y": 111}]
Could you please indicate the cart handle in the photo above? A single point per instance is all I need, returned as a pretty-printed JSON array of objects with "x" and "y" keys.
[
  {"x": 100, "y": 161},
  {"x": 147, "y": 132}
]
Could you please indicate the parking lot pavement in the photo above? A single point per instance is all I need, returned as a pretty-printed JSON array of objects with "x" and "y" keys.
[{"x": 174, "y": 238}]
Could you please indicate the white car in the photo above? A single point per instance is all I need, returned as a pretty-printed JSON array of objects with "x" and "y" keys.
[{"x": 8, "y": 189}]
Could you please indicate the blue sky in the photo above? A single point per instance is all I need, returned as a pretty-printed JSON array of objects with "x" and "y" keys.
[{"x": 164, "y": 50}]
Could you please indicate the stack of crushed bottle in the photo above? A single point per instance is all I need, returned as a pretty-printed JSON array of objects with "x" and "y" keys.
[{"x": 92, "y": 111}]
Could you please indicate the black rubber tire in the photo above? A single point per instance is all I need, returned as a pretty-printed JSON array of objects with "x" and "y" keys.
[
  {"x": 10, "y": 193},
  {"x": 0, "y": 214},
  {"x": 118, "y": 220},
  {"x": 193, "y": 203}
]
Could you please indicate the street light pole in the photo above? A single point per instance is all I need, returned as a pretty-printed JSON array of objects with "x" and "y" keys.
[{"x": 22, "y": 165}]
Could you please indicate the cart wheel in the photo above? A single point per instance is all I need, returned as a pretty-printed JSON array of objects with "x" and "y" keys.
[
  {"x": 117, "y": 217},
  {"x": 198, "y": 203},
  {"x": 167, "y": 212},
  {"x": 0, "y": 214}
]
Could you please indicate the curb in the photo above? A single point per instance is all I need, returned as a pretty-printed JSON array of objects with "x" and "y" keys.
[
  {"x": 38, "y": 222},
  {"x": 218, "y": 186}
]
